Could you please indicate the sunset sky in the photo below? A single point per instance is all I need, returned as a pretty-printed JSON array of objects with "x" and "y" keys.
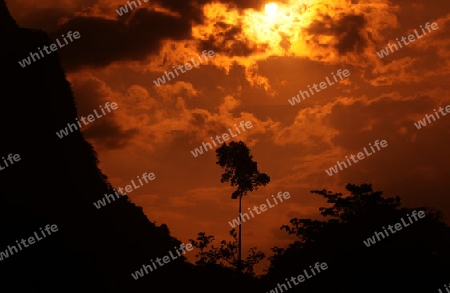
[{"x": 264, "y": 54}]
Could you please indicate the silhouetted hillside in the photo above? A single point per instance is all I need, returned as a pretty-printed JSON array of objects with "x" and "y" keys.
[{"x": 56, "y": 181}]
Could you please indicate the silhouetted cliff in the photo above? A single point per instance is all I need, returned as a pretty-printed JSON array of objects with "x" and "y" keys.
[{"x": 56, "y": 181}]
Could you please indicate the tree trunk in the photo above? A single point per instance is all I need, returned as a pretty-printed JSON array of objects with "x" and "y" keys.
[{"x": 240, "y": 237}]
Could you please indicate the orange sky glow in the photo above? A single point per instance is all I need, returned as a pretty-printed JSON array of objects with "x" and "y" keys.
[{"x": 265, "y": 52}]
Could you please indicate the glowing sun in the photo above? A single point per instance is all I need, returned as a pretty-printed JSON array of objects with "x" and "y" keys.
[{"x": 271, "y": 9}]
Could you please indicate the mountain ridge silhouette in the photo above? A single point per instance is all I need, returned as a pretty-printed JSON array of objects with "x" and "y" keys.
[{"x": 56, "y": 181}]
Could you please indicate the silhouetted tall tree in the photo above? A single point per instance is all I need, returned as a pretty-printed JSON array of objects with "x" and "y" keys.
[{"x": 240, "y": 171}]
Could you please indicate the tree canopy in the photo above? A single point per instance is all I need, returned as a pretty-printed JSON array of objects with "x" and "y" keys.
[{"x": 416, "y": 258}]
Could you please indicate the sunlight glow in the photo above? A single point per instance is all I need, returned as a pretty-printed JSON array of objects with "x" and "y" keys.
[
  {"x": 277, "y": 28},
  {"x": 271, "y": 9}
]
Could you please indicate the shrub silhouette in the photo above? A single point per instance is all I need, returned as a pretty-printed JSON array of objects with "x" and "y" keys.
[{"x": 226, "y": 254}]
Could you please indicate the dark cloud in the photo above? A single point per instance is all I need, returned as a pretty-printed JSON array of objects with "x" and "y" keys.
[
  {"x": 89, "y": 95},
  {"x": 244, "y": 4},
  {"x": 108, "y": 134},
  {"x": 132, "y": 36},
  {"x": 45, "y": 18},
  {"x": 198, "y": 119},
  {"x": 386, "y": 117},
  {"x": 224, "y": 41},
  {"x": 348, "y": 30},
  {"x": 139, "y": 33},
  {"x": 186, "y": 9},
  {"x": 103, "y": 41},
  {"x": 106, "y": 131},
  {"x": 193, "y": 9}
]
